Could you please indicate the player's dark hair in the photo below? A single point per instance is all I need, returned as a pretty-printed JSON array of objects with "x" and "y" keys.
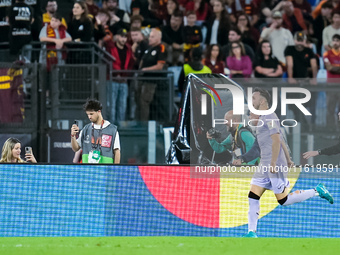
[
  {"x": 92, "y": 105},
  {"x": 264, "y": 93}
]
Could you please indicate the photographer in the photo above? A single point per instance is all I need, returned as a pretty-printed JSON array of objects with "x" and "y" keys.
[
  {"x": 255, "y": 153},
  {"x": 239, "y": 141},
  {"x": 11, "y": 152}
]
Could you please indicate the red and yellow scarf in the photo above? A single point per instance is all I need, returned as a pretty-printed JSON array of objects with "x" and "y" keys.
[{"x": 51, "y": 56}]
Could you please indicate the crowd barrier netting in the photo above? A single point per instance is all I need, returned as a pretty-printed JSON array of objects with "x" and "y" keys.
[{"x": 106, "y": 200}]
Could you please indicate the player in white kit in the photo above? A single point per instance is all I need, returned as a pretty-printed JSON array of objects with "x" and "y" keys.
[{"x": 272, "y": 173}]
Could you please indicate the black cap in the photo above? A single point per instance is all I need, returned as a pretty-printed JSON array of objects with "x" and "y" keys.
[
  {"x": 122, "y": 32},
  {"x": 300, "y": 36}
]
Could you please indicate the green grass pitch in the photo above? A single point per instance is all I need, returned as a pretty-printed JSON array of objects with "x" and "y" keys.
[{"x": 167, "y": 245}]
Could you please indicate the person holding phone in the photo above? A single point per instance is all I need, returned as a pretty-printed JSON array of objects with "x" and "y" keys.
[
  {"x": 99, "y": 140},
  {"x": 11, "y": 151}
]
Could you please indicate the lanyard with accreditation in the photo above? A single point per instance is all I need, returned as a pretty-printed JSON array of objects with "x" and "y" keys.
[{"x": 94, "y": 154}]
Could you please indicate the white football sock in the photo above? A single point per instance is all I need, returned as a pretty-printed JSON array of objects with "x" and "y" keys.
[
  {"x": 299, "y": 196},
  {"x": 253, "y": 214}
]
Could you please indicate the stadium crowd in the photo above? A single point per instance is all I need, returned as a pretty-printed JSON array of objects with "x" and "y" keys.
[{"x": 240, "y": 38}]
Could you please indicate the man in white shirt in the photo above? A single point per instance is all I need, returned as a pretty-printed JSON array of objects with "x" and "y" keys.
[{"x": 278, "y": 37}]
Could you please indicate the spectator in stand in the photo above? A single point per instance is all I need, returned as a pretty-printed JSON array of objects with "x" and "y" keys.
[
  {"x": 171, "y": 7},
  {"x": 92, "y": 7},
  {"x": 332, "y": 64},
  {"x": 299, "y": 58},
  {"x": 101, "y": 32},
  {"x": 278, "y": 37},
  {"x": 119, "y": 18},
  {"x": 249, "y": 7},
  {"x": 136, "y": 22},
  {"x": 51, "y": 9},
  {"x": 80, "y": 27},
  {"x": 213, "y": 59},
  {"x": 192, "y": 35},
  {"x": 81, "y": 30},
  {"x": 172, "y": 37},
  {"x": 193, "y": 66},
  {"x": 266, "y": 65},
  {"x": 320, "y": 22},
  {"x": 249, "y": 34},
  {"x": 20, "y": 19},
  {"x": 141, "y": 7},
  {"x": 153, "y": 59},
  {"x": 317, "y": 10},
  {"x": 293, "y": 18},
  {"x": 37, "y": 17},
  {"x": 55, "y": 34},
  {"x": 139, "y": 46},
  {"x": 218, "y": 25},
  {"x": 235, "y": 36},
  {"x": 201, "y": 8},
  {"x": 331, "y": 30},
  {"x": 117, "y": 89},
  {"x": 238, "y": 62}
]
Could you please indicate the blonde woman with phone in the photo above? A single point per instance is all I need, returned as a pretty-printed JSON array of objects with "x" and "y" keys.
[{"x": 11, "y": 151}]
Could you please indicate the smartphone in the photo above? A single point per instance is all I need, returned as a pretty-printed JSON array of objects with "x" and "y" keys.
[
  {"x": 76, "y": 122},
  {"x": 28, "y": 150}
]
